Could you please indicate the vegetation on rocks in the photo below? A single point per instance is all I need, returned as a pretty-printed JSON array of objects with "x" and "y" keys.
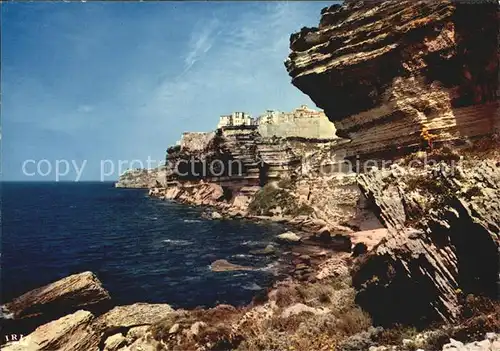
[
  {"x": 314, "y": 316},
  {"x": 275, "y": 199}
]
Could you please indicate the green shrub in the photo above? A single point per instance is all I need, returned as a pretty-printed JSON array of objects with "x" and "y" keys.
[
  {"x": 271, "y": 197},
  {"x": 395, "y": 335},
  {"x": 285, "y": 183},
  {"x": 266, "y": 199}
]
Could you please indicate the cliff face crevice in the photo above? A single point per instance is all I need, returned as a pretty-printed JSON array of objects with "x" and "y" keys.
[
  {"x": 401, "y": 73},
  {"x": 443, "y": 241}
]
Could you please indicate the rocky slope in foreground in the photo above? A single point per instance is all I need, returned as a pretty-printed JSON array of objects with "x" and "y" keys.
[
  {"x": 394, "y": 75},
  {"x": 320, "y": 315}
]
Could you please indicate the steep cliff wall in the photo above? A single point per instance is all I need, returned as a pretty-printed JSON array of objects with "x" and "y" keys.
[
  {"x": 398, "y": 74},
  {"x": 226, "y": 167},
  {"x": 443, "y": 243},
  {"x": 232, "y": 154}
]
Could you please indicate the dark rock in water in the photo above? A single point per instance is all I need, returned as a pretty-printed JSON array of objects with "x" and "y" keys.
[
  {"x": 268, "y": 250},
  {"x": 65, "y": 296},
  {"x": 225, "y": 266},
  {"x": 288, "y": 238}
]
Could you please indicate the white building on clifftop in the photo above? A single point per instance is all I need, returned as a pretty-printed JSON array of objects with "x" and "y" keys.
[
  {"x": 302, "y": 122},
  {"x": 235, "y": 119}
]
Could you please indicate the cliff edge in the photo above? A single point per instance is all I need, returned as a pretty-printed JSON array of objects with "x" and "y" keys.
[{"x": 396, "y": 75}]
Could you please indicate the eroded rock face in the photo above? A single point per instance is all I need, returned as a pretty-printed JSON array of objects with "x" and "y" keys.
[
  {"x": 57, "y": 299},
  {"x": 398, "y": 74},
  {"x": 142, "y": 178},
  {"x": 443, "y": 241}
]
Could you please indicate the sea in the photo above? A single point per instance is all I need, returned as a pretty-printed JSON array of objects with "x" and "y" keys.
[{"x": 142, "y": 249}]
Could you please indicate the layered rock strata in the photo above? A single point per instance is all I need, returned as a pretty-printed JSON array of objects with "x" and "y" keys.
[
  {"x": 443, "y": 242},
  {"x": 231, "y": 155},
  {"x": 224, "y": 168},
  {"x": 55, "y": 300},
  {"x": 397, "y": 75}
]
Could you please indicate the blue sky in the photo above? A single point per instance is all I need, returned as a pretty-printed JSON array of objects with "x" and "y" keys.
[{"x": 122, "y": 81}]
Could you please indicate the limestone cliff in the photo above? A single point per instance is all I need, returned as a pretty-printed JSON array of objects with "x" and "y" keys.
[
  {"x": 236, "y": 161},
  {"x": 394, "y": 75}
]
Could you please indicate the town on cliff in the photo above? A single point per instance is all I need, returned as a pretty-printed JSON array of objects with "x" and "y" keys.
[{"x": 390, "y": 195}]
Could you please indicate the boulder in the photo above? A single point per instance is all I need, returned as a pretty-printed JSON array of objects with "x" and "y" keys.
[
  {"x": 268, "y": 250},
  {"x": 135, "y": 333},
  {"x": 216, "y": 215},
  {"x": 288, "y": 238},
  {"x": 488, "y": 344},
  {"x": 226, "y": 266},
  {"x": 146, "y": 343},
  {"x": 55, "y": 300},
  {"x": 129, "y": 316},
  {"x": 115, "y": 342},
  {"x": 174, "y": 329},
  {"x": 70, "y": 333},
  {"x": 197, "y": 327}
]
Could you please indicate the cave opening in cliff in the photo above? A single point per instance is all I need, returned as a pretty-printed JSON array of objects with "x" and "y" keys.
[{"x": 477, "y": 254}]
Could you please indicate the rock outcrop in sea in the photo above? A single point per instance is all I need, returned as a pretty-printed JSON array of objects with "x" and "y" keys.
[{"x": 228, "y": 168}]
